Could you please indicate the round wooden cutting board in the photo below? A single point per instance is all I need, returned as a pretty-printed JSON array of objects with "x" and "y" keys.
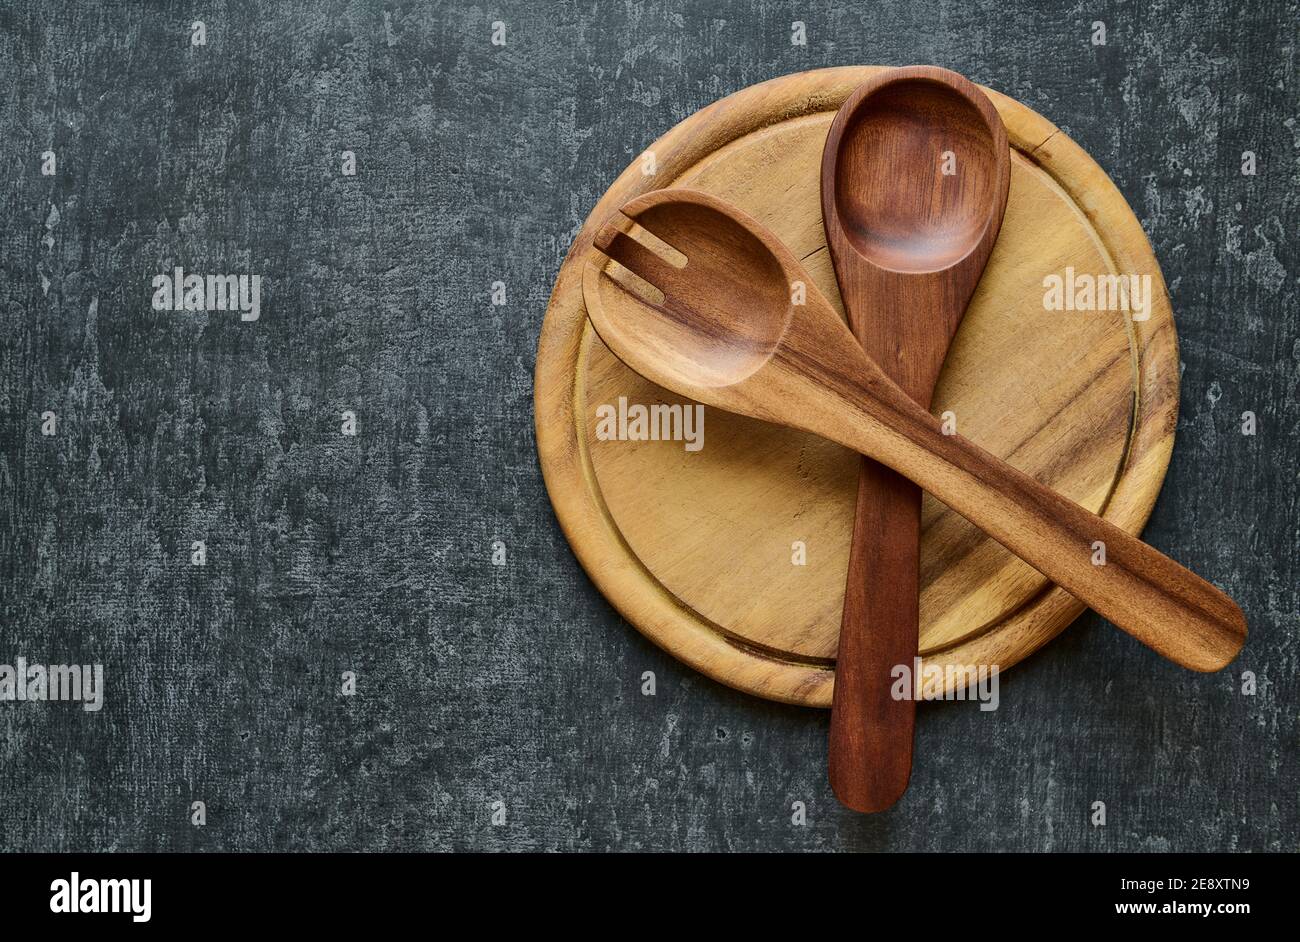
[{"x": 733, "y": 556}]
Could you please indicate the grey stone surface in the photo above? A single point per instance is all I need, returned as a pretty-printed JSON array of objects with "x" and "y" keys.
[{"x": 477, "y": 164}]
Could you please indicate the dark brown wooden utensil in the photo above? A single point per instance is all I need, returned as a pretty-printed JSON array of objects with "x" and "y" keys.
[
  {"x": 720, "y": 325},
  {"x": 914, "y": 183}
]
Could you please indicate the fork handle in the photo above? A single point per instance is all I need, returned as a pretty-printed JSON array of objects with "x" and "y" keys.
[{"x": 1140, "y": 590}]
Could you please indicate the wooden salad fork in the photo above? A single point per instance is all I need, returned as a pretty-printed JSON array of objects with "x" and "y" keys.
[{"x": 716, "y": 317}]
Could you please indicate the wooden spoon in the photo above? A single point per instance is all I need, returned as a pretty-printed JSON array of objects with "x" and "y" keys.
[
  {"x": 740, "y": 325},
  {"x": 915, "y": 174}
]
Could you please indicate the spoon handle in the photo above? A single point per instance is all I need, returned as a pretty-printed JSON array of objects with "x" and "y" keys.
[
  {"x": 1140, "y": 590},
  {"x": 870, "y": 756}
]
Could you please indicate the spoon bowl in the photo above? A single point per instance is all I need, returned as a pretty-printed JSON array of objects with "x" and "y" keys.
[{"x": 894, "y": 210}]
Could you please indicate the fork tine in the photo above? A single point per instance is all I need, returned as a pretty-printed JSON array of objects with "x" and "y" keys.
[{"x": 636, "y": 258}]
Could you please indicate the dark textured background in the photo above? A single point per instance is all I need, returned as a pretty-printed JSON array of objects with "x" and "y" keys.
[{"x": 326, "y": 553}]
